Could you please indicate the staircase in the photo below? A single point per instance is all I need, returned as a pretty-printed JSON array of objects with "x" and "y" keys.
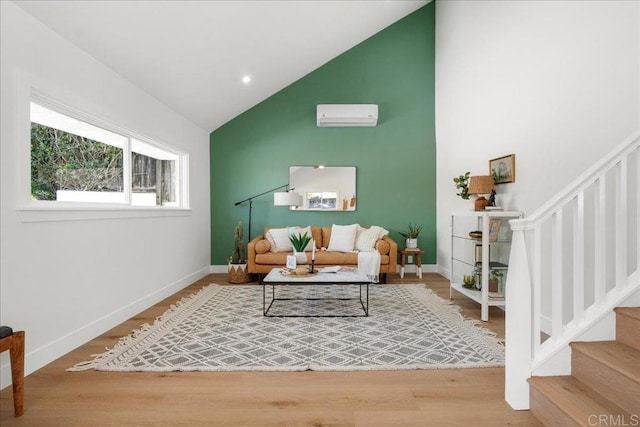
[
  {"x": 604, "y": 385},
  {"x": 572, "y": 262}
]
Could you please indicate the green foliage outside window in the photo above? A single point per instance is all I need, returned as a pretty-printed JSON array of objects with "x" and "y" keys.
[{"x": 63, "y": 161}]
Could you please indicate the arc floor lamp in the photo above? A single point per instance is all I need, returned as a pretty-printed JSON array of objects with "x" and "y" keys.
[{"x": 282, "y": 198}]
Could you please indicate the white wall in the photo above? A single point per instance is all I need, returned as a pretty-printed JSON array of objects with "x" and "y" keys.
[
  {"x": 556, "y": 83},
  {"x": 65, "y": 282}
]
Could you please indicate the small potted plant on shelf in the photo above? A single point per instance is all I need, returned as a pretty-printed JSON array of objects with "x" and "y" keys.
[
  {"x": 237, "y": 267},
  {"x": 462, "y": 184},
  {"x": 494, "y": 280},
  {"x": 411, "y": 236},
  {"x": 299, "y": 243}
]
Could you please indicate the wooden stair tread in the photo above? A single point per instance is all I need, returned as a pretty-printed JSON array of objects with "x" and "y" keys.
[
  {"x": 633, "y": 312},
  {"x": 614, "y": 355},
  {"x": 574, "y": 398}
]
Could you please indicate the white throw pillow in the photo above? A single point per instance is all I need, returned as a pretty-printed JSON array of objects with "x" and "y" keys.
[
  {"x": 343, "y": 238},
  {"x": 279, "y": 239},
  {"x": 366, "y": 238},
  {"x": 300, "y": 231}
]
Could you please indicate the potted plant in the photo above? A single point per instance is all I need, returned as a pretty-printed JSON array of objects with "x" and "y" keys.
[
  {"x": 494, "y": 280},
  {"x": 462, "y": 184},
  {"x": 411, "y": 235},
  {"x": 237, "y": 267},
  {"x": 299, "y": 243}
]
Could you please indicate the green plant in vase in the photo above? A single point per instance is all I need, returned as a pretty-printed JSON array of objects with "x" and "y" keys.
[
  {"x": 237, "y": 269},
  {"x": 299, "y": 244},
  {"x": 238, "y": 256},
  {"x": 494, "y": 280},
  {"x": 411, "y": 235}
]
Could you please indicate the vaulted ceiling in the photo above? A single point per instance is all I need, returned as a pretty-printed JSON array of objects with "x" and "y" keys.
[{"x": 193, "y": 55}]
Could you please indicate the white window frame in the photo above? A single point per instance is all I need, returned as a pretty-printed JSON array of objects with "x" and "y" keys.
[{"x": 29, "y": 89}]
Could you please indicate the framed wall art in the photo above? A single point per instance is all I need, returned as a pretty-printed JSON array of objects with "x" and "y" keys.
[
  {"x": 503, "y": 169},
  {"x": 494, "y": 229}
]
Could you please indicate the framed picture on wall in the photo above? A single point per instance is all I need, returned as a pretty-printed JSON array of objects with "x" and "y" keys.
[{"x": 503, "y": 169}]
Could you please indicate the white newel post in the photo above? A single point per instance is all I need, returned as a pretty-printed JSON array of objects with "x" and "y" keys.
[{"x": 518, "y": 323}]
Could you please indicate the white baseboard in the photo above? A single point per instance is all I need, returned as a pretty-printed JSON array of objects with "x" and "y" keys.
[
  {"x": 444, "y": 272},
  {"x": 218, "y": 269},
  {"x": 411, "y": 268},
  {"x": 39, "y": 357}
]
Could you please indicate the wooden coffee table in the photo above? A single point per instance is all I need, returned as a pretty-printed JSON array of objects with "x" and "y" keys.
[{"x": 345, "y": 277}]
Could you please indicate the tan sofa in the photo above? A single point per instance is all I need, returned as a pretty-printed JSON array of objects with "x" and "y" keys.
[{"x": 261, "y": 260}]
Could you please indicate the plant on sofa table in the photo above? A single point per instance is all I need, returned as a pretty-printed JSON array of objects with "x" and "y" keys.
[{"x": 411, "y": 235}]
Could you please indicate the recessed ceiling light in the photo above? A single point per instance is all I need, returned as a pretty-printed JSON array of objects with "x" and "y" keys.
[{"x": 246, "y": 79}]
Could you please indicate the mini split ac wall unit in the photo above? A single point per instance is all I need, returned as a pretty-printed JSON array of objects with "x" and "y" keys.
[{"x": 347, "y": 115}]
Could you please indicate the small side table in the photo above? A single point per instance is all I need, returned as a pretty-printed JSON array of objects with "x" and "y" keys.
[{"x": 417, "y": 253}]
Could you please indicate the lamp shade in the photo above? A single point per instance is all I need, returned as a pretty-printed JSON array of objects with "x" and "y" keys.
[
  {"x": 289, "y": 198},
  {"x": 481, "y": 184}
]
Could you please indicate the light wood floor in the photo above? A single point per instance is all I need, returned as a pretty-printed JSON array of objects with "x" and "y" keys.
[{"x": 452, "y": 397}]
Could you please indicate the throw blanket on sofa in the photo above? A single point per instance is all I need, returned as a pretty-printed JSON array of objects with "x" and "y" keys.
[{"x": 369, "y": 264}]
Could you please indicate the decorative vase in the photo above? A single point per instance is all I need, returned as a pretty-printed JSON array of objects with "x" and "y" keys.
[
  {"x": 411, "y": 243},
  {"x": 301, "y": 257}
]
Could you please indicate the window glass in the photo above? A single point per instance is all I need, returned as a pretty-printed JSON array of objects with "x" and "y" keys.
[
  {"x": 73, "y": 161},
  {"x": 153, "y": 176},
  {"x": 322, "y": 200}
]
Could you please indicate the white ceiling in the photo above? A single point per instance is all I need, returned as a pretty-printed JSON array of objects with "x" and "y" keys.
[{"x": 191, "y": 55}]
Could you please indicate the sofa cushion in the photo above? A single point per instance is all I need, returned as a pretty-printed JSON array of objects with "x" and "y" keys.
[
  {"x": 323, "y": 258},
  {"x": 316, "y": 232},
  {"x": 343, "y": 238},
  {"x": 326, "y": 236},
  {"x": 262, "y": 246},
  {"x": 336, "y": 258},
  {"x": 279, "y": 240}
]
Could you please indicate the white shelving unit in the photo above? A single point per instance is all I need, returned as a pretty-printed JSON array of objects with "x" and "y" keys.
[{"x": 469, "y": 255}]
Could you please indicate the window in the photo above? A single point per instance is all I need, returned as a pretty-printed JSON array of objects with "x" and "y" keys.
[
  {"x": 325, "y": 200},
  {"x": 74, "y": 161}
]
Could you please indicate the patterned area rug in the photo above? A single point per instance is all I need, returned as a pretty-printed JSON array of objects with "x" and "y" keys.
[{"x": 221, "y": 328}]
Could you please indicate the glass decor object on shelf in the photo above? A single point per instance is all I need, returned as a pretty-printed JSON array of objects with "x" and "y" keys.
[{"x": 480, "y": 248}]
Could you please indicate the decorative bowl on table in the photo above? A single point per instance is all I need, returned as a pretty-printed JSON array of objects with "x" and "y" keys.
[{"x": 300, "y": 271}]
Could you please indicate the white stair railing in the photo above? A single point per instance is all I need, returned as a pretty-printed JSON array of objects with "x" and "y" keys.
[{"x": 571, "y": 262}]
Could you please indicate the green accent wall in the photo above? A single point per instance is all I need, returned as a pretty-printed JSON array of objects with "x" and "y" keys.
[{"x": 395, "y": 161}]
